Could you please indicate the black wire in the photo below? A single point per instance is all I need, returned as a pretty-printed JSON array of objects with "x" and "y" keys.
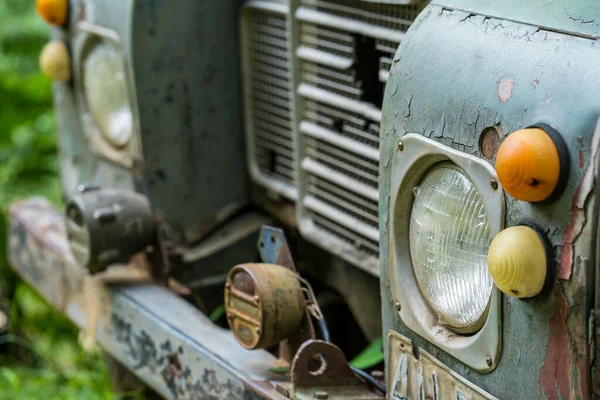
[
  {"x": 324, "y": 330},
  {"x": 358, "y": 372},
  {"x": 369, "y": 379}
]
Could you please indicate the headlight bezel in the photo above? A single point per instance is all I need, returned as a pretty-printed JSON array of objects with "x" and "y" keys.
[
  {"x": 85, "y": 37},
  {"x": 414, "y": 157}
]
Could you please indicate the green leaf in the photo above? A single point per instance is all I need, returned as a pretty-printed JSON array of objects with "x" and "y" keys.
[
  {"x": 217, "y": 313},
  {"x": 369, "y": 357}
]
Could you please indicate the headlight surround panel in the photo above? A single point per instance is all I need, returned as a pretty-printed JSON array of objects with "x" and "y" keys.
[
  {"x": 414, "y": 157},
  {"x": 124, "y": 150}
]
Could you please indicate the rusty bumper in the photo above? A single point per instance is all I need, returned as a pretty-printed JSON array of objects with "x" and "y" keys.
[{"x": 164, "y": 340}]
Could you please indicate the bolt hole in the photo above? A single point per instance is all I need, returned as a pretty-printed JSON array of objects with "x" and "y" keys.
[
  {"x": 316, "y": 365},
  {"x": 273, "y": 239},
  {"x": 262, "y": 245}
]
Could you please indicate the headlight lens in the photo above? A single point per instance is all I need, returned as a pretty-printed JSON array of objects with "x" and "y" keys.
[
  {"x": 105, "y": 88},
  {"x": 449, "y": 241}
]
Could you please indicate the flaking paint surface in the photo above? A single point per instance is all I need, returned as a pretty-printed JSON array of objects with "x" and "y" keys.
[{"x": 451, "y": 99}]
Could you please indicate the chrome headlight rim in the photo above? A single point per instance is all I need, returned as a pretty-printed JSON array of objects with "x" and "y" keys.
[
  {"x": 413, "y": 158},
  {"x": 84, "y": 37}
]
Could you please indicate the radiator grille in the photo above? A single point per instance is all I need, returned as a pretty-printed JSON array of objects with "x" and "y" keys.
[
  {"x": 345, "y": 50},
  {"x": 269, "y": 98}
]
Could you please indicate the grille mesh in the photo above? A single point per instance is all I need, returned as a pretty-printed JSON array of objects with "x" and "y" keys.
[
  {"x": 269, "y": 98},
  {"x": 343, "y": 69}
]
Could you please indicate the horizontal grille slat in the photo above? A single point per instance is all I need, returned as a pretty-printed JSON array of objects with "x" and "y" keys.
[{"x": 346, "y": 49}]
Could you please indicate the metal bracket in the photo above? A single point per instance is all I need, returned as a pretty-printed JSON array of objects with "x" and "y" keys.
[
  {"x": 273, "y": 247},
  {"x": 320, "y": 371}
]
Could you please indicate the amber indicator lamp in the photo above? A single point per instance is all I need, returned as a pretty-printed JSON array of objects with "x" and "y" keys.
[
  {"x": 55, "y": 62},
  {"x": 533, "y": 164},
  {"x": 54, "y": 12},
  {"x": 520, "y": 261}
]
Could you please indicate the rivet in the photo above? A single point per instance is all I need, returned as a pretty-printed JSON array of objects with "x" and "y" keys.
[
  {"x": 257, "y": 330},
  {"x": 398, "y": 306},
  {"x": 400, "y": 145},
  {"x": 494, "y": 184},
  {"x": 488, "y": 361},
  {"x": 321, "y": 395}
]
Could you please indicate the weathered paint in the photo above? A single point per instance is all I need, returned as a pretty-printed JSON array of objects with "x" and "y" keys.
[
  {"x": 189, "y": 137},
  {"x": 164, "y": 340},
  {"x": 452, "y": 100},
  {"x": 578, "y": 204}
]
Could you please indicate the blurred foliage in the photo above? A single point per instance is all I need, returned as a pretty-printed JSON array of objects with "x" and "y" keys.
[{"x": 42, "y": 356}]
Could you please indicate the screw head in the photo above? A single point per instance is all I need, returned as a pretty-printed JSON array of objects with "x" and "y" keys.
[
  {"x": 488, "y": 361},
  {"x": 400, "y": 145},
  {"x": 398, "y": 306},
  {"x": 494, "y": 184},
  {"x": 321, "y": 395}
]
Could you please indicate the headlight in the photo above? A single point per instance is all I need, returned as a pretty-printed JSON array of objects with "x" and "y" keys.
[
  {"x": 449, "y": 240},
  {"x": 105, "y": 92}
]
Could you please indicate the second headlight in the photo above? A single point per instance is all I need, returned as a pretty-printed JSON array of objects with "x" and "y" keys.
[{"x": 449, "y": 241}]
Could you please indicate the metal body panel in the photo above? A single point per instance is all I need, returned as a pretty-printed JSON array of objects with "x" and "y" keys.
[
  {"x": 186, "y": 61},
  {"x": 494, "y": 72},
  {"x": 187, "y": 151},
  {"x": 164, "y": 340},
  {"x": 579, "y": 17}
]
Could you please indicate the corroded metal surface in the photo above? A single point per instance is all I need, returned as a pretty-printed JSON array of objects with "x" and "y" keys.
[
  {"x": 494, "y": 72},
  {"x": 164, "y": 340},
  {"x": 424, "y": 377},
  {"x": 264, "y": 304},
  {"x": 320, "y": 370},
  {"x": 274, "y": 249}
]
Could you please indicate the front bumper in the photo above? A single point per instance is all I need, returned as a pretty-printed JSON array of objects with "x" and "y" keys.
[{"x": 161, "y": 338}]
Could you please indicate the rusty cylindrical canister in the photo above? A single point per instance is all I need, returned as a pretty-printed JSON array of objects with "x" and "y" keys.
[{"x": 264, "y": 304}]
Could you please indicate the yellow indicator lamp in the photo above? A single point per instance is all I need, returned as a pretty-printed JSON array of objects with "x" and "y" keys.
[
  {"x": 520, "y": 261},
  {"x": 55, "y": 62},
  {"x": 533, "y": 164},
  {"x": 55, "y": 12}
]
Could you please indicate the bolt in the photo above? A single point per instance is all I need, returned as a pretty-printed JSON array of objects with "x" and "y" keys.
[
  {"x": 321, "y": 395},
  {"x": 398, "y": 306},
  {"x": 400, "y": 145},
  {"x": 494, "y": 184},
  {"x": 488, "y": 361}
]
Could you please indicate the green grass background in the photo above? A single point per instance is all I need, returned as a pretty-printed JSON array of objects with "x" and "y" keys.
[{"x": 41, "y": 357}]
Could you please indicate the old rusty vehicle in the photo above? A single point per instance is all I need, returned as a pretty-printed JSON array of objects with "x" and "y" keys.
[{"x": 340, "y": 178}]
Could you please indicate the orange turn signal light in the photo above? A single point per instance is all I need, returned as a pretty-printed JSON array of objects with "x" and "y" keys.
[
  {"x": 533, "y": 164},
  {"x": 55, "y": 12}
]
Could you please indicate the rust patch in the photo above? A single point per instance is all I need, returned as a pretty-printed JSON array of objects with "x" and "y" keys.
[
  {"x": 505, "y": 88},
  {"x": 535, "y": 83},
  {"x": 577, "y": 210},
  {"x": 555, "y": 372}
]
